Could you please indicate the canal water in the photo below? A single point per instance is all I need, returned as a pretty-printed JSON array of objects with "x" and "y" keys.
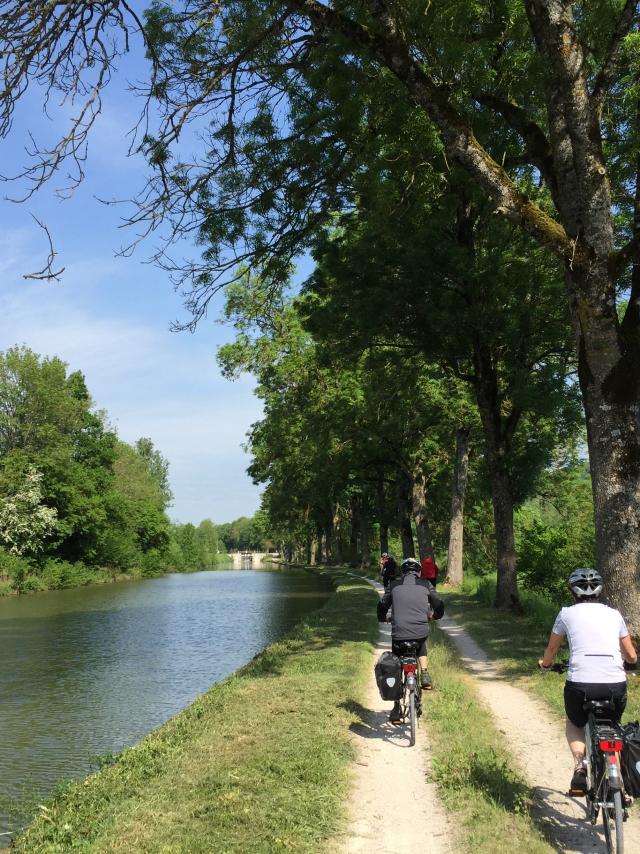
[{"x": 92, "y": 670}]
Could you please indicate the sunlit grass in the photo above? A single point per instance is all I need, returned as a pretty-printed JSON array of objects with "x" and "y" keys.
[{"x": 488, "y": 799}]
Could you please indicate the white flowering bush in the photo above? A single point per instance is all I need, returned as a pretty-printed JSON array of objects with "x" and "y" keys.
[{"x": 25, "y": 522}]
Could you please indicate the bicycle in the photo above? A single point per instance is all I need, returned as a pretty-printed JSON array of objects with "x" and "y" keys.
[
  {"x": 604, "y": 741},
  {"x": 411, "y": 700}
]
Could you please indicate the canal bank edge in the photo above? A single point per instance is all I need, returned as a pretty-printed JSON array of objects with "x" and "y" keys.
[
  {"x": 78, "y": 575},
  {"x": 264, "y": 754}
]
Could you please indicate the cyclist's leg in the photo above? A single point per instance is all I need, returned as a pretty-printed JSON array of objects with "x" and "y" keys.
[
  {"x": 395, "y": 715},
  {"x": 574, "y": 697},
  {"x": 425, "y": 678}
]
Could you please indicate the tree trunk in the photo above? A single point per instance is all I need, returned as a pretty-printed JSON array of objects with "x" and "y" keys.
[
  {"x": 420, "y": 516},
  {"x": 323, "y": 546},
  {"x": 382, "y": 514},
  {"x": 609, "y": 373},
  {"x": 497, "y": 438},
  {"x": 337, "y": 531},
  {"x": 365, "y": 562},
  {"x": 404, "y": 519},
  {"x": 458, "y": 489},
  {"x": 353, "y": 537}
]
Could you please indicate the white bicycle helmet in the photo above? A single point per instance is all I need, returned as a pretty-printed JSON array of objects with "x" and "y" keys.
[
  {"x": 585, "y": 581},
  {"x": 410, "y": 564}
]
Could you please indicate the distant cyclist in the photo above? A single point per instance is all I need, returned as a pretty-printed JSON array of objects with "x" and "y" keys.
[
  {"x": 414, "y": 602},
  {"x": 429, "y": 570},
  {"x": 598, "y": 643},
  {"x": 388, "y": 569}
]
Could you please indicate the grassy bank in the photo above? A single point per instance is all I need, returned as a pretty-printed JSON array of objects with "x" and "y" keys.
[
  {"x": 488, "y": 800},
  {"x": 516, "y": 642},
  {"x": 259, "y": 763}
]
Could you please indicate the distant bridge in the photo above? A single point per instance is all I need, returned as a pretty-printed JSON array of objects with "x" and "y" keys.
[{"x": 247, "y": 560}]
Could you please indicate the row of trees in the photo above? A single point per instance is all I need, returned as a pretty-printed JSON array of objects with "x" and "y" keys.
[
  {"x": 373, "y": 446},
  {"x": 508, "y": 132},
  {"x": 74, "y": 498}
]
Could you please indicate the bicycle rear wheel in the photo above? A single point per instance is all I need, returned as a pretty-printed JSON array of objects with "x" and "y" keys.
[
  {"x": 413, "y": 717},
  {"x": 612, "y": 819}
]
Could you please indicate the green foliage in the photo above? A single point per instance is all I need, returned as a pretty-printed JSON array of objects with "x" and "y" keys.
[
  {"x": 555, "y": 531},
  {"x": 13, "y": 570},
  {"x": 158, "y": 468},
  {"x": 74, "y": 500},
  {"x": 245, "y": 534}
]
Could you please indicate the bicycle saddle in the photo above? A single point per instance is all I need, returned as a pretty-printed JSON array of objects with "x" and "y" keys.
[
  {"x": 600, "y": 708},
  {"x": 408, "y": 646}
]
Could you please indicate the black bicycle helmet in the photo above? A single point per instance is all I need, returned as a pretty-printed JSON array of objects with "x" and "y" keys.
[
  {"x": 410, "y": 564},
  {"x": 585, "y": 581}
]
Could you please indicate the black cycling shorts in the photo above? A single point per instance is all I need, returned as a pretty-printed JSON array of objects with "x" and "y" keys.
[
  {"x": 576, "y": 693},
  {"x": 397, "y": 647}
]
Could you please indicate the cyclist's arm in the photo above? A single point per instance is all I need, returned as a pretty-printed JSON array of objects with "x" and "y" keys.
[
  {"x": 628, "y": 650},
  {"x": 555, "y": 642},
  {"x": 436, "y": 604}
]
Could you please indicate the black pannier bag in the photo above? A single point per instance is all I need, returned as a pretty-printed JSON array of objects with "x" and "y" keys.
[
  {"x": 388, "y": 671},
  {"x": 630, "y": 759}
]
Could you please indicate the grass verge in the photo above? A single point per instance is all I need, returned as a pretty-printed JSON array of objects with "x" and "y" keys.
[
  {"x": 259, "y": 763},
  {"x": 516, "y": 642},
  {"x": 488, "y": 800}
]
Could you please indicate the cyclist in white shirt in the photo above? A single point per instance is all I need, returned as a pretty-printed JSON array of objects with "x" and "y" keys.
[{"x": 599, "y": 644}]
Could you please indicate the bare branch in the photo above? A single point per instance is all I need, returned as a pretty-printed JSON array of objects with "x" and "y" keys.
[
  {"x": 68, "y": 49},
  {"x": 47, "y": 273}
]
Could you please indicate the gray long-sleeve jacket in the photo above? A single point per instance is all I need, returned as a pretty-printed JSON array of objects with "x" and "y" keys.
[{"x": 414, "y": 600}]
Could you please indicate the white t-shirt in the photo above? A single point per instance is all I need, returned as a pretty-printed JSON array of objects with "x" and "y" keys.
[{"x": 593, "y": 631}]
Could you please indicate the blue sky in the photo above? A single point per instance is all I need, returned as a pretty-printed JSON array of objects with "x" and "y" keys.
[{"x": 109, "y": 317}]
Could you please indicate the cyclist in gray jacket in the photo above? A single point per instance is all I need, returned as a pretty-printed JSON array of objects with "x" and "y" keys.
[{"x": 414, "y": 603}]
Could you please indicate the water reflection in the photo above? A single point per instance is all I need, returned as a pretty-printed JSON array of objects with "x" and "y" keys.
[{"x": 88, "y": 671}]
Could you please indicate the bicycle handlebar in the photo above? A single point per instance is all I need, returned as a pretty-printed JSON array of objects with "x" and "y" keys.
[{"x": 558, "y": 667}]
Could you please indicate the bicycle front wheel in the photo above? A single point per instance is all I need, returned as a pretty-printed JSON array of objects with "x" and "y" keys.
[
  {"x": 612, "y": 819},
  {"x": 413, "y": 717}
]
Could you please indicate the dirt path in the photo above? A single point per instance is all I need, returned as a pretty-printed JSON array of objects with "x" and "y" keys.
[
  {"x": 390, "y": 777},
  {"x": 536, "y": 739}
]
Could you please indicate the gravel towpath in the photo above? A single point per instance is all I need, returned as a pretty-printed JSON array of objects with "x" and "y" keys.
[
  {"x": 536, "y": 740},
  {"x": 391, "y": 781}
]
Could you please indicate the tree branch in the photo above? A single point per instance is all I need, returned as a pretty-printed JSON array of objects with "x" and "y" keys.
[
  {"x": 538, "y": 146},
  {"x": 459, "y": 139},
  {"x": 609, "y": 64},
  {"x": 47, "y": 273}
]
